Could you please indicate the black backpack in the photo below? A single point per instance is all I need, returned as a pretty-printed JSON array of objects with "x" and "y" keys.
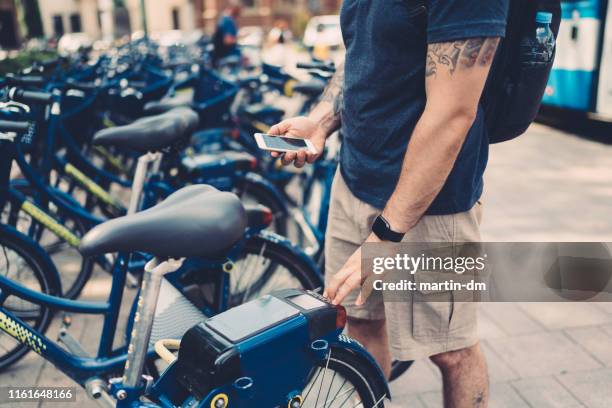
[{"x": 513, "y": 92}]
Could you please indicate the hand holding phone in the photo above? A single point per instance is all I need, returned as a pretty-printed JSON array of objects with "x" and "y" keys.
[
  {"x": 299, "y": 127},
  {"x": 284, "y": 144}
]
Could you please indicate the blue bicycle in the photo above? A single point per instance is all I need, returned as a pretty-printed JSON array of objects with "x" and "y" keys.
[{"x": 284, "y": 349}]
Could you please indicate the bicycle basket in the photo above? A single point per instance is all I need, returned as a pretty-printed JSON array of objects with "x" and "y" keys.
[{"x": 213, "y": 98}]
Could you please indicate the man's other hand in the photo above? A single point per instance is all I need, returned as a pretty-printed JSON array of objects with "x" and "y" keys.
[
  {"x": 348, "y": 278},
  {"x": 304, "y": 128}
]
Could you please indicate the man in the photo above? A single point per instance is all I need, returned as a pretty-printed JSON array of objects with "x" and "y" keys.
[
  {"x": 414, "y": 152},
  {"x": 225, "y": 36}
]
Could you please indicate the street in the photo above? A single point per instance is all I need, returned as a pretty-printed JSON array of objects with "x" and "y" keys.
[{"x": 546, "y": 185}]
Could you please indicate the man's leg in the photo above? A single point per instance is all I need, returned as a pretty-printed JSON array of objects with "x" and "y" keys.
[
  {"x": 464, "y": 376},
  {"x": 346, "y": 231},
  {"x": 372, "y": 334},
  {"x": 445, "y": 331}
]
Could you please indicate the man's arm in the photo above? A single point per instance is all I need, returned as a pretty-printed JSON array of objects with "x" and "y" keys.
[
  {"x": 455, "y": 75},
  {"x": 322, "y": 121},
  {"x": 327, "y": 112}
]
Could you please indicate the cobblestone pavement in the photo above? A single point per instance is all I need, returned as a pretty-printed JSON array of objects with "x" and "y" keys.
[{"x": 545, "y": 186}]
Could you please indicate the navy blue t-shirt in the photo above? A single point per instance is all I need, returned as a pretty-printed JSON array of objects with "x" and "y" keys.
[{"x": 384, "y": 92}]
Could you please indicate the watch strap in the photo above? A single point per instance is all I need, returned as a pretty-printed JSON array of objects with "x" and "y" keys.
[{"x": 383, "y": 230}]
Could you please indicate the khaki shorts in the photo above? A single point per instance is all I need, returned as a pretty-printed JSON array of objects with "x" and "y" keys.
[{"x": 416, "y": 329}]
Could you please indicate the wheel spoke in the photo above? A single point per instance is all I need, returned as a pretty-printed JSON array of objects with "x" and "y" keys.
[
  {"x": 312, "y": 383},
  {"x": 352, "y": 390},
  {"x": 338, "y": 392},
  {"x": 379, "y": 401},
  {"x": 323, "y": 378},
  {"x": 329, "y": 388}
]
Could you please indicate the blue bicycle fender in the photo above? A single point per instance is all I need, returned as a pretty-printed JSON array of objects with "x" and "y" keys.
[
  {"x": 347, "y": 343},
  {"x": 295, "y": 250},
  {"x": 260, "y": 181}
]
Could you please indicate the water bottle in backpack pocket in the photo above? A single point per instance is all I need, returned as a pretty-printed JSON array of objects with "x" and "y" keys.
[
  {"x": 521, "y": 68},
  {"x": 537, "y": 50}
]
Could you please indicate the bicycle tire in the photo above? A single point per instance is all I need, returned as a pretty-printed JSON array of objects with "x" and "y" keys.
[
  {"x": 264, "y": 198},
  {"x": 398, "y": 368},
  {"x": 298, "y": 268},
  {"x": 74, "y": 289},
  {"x": 361, "y": 375},
  {"x": 46, "y": 275}
]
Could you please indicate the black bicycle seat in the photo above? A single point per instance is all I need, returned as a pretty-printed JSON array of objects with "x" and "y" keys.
[
  {"x": 166, "y": 104},
  {"x": 194, "y": 221},
  {"x": 310, "y": 88},
  {"x": 152, "y": 133},
  {"x": 241, "y": 161}
]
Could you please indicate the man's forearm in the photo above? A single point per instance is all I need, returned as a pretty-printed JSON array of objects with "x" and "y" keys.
[
  {"x": 431, "y": 154},
  {"x": 328, "y": 111},
  {"x": 455, "y": 75}
]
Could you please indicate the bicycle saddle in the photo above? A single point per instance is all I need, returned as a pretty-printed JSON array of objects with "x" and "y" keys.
[
  {"x": 197, "y": 220},
  {"x": 241, "y": 161},
  {"x": 152, "y": 133},
  {"x": 310, "y": 88},
  {"x": 167, "y": 104}
]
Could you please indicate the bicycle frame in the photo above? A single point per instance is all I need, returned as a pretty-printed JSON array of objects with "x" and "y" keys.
[
  {"x": 107, "y": 359},
  {"x": 80, "y": 369}
]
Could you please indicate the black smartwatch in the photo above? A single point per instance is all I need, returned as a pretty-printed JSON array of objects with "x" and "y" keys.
[{"x": 383, "y": 230}]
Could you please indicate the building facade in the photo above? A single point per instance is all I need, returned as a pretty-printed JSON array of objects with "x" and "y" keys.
[
  {"x": 93, "y": 17},
  {"x": 101, "y": 19},
  {"x": 265, "y": 12},
  {"x": 10, "y": 36}
]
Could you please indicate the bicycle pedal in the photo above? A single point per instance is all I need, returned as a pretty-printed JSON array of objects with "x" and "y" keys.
[{"x": 71, "y": 343}]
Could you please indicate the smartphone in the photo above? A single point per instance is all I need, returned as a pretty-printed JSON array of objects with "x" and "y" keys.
[{"x": 283, "y": 143}]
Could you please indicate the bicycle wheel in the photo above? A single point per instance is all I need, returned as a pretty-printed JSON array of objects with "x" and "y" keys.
[
  {"x": 263, "y": 267},
  {"x": 76, "y": 269},
  {"x": 398, "y": 368},
  {"x": 251, "y": 193},
  {"x": 23, "y": 261},
  {"x": 343, "y": 380},
  {"x": 266, "y": 266}
]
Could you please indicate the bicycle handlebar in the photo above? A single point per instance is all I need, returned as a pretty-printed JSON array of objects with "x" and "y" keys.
[
  {"x": 30, "y": 80},
  {"x": 323, "y": 66},
  {"x": 30, "y": 97},
  {"x": 52, "y": 63},
  {"x": 82, "y": 86},
  {"x": 10, "y": 126}
]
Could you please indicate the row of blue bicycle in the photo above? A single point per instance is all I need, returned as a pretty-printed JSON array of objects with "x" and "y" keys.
[{"x": 142, "y": 165}]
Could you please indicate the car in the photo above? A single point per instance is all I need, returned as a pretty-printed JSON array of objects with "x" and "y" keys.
[{"x": 323, "y": 31}]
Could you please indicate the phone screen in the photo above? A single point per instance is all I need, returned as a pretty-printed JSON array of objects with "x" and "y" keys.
[{"x": 284, "y": 143}]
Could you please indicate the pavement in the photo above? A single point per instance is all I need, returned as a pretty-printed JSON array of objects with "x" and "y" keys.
[{"x": 546, "y": 185}]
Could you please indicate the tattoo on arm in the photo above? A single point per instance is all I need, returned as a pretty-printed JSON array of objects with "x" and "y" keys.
[
  {"x": 334, "y": 94},
  {"x": 460, "y": 54}
]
